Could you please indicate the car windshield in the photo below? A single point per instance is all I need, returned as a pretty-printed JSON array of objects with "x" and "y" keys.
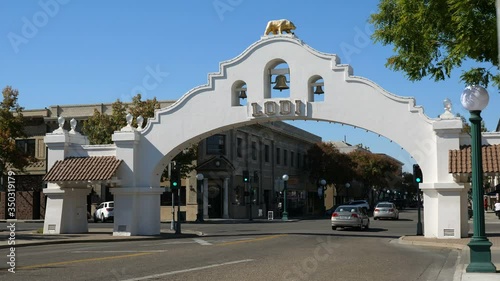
[
  {"x": 384, "y": 205},
  {"x": 346, "y": 209}
]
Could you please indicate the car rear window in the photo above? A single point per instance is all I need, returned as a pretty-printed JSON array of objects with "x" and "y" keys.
[
  {"x": 384, "y": 205},
  {"x": 346, "y": 209},
  {"x": 111, "y": 205}
]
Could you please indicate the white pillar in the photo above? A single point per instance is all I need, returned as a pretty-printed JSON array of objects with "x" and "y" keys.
[
  {"x": 137, "y": 211},
  {"x": 225, "y": 214},
  {"x": 66, "y": 210},
  {"x": 445, "y": 208},
  {"x": 137, "y": 208}
]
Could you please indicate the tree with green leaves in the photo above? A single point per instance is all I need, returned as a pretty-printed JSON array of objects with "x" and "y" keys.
[
  {"x": 374, "y": 170},
  {"x": 11, "y": 128},
  {"x": 432, "y": 37},
  {"x": 326, "y": 162},
  {"x": 100, "y": 126}
]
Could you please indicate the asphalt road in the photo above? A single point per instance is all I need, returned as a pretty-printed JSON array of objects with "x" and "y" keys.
[{"x": 304, "y": 250}]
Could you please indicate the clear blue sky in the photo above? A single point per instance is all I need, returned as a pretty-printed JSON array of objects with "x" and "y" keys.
[{"x": 73, "y": 52}]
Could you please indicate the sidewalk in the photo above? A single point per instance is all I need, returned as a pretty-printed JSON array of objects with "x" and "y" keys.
[{"x": 461, "y": 245}]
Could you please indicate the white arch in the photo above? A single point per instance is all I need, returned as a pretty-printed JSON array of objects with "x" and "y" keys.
[
  {"x": 348, "y": 99},
  {"x": 211, "y": 108}
]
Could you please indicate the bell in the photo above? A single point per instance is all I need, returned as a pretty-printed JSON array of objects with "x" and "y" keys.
[
  {"x": 243, "y": 94},
  {"x": 319, "y": 90},
  {"x": 281, "y": 83}
]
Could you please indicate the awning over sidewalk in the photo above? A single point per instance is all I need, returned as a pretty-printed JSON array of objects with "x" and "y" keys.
[
  {"x": 97, "y": 168},
  {"x": 460, "y": 160}
]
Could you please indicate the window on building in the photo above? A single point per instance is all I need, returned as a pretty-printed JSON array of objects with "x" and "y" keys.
[
  {"x": 305, "y": 164},
  {"x": 278, "y": 155},
  {"x": 27, "y": 146},
  {"x": 239, "y": 147},
  {"x": 292, "y": 155},
  {"x": 216, "y": 145},
  {"x": 298, "y": 159},
  {"x": 254, "y": 150},
  {"x": 266, "y": 153},
  {"x": 285, "y": 157}
]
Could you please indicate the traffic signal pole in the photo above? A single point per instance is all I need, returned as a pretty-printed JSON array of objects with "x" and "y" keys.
[
  {"x": 417, "y": 179},
  {"x": 419, "y": 221}
]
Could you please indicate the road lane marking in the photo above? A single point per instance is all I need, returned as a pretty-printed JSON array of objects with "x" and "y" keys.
[
  {"x": 131, "y": 251},
  {"x": 187, "y": 270},
  {"x": 202, "y": 242},
  {"x": 253, "y": 240},
  {"x": 83, "y": 260},
  {"x": 168, "y": 243}
]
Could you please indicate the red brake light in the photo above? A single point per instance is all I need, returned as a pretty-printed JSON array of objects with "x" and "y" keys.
[
  {"x": 391, "y": 210},
  {"x": 109, "y": 209},
  {"x": 354, "y": 215},
  {"x": 377, "y": 210},
  {"x": 335, "y": 215}
]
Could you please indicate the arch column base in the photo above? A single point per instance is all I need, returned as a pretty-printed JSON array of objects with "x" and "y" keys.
[
  {"x": 445, "y": 210},
  {"x": 137, "y": 211}
]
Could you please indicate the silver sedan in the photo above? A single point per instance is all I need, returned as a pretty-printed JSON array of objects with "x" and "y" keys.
[
  {"x": 385, "y": 210},
  {"x": 350, "y": 216}
]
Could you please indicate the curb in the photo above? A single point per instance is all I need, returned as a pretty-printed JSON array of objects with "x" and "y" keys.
[
  {"x": 401, "y": 240},
  {"x": 93, "y": 240}
]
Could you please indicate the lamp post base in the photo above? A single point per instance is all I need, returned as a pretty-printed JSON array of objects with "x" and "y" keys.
[
  {"x": 284, "y": 217},
  {"x": 420, "y": 232},
  {"x": 480, "y": 256}
]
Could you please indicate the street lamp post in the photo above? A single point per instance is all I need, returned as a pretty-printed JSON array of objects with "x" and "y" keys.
[
  {"x": 322, "y": 187},
  {"x": 347, "y": 185},
  {"x": 474, "y": 99},
  {"x": 199, "y": 198},
  {"x": 285, "y": 182}
]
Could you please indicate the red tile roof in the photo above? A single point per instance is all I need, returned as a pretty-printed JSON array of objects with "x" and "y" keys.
[
  {"x": 83, "y": 169},
  {"x": 460, "y": 161}
]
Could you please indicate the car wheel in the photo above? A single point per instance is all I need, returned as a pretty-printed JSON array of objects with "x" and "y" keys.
[
  {"x": 103, "y": 219},
  {"x": 95, "y": 218},
  {"x": 334, "y": 228},
  {"x": 375, "y": 218}
]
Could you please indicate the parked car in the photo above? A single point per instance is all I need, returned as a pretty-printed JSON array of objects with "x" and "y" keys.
[
  {"x": 385, "y": 210},
  {"x": 104, "y": 211},
  {"x": 362, "y": 203},
  {"x": 350, "y": 216}
]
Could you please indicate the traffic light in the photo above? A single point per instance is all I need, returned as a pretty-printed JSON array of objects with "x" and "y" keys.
[
  {"x": 417, "y": 174},
  {"x": 175, "y": 176},
  {"x": 246, "y": 176}
]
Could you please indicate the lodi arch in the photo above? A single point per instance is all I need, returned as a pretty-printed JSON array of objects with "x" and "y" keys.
[{"x": 215, "y": 107}]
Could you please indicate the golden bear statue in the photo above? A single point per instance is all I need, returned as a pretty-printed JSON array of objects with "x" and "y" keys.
[{"x": 278, "y": 26}]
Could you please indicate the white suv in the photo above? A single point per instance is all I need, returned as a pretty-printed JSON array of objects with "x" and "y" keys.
[
  {"x": 104, "y": 211},
  {"x": 361, "y": 203}
]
